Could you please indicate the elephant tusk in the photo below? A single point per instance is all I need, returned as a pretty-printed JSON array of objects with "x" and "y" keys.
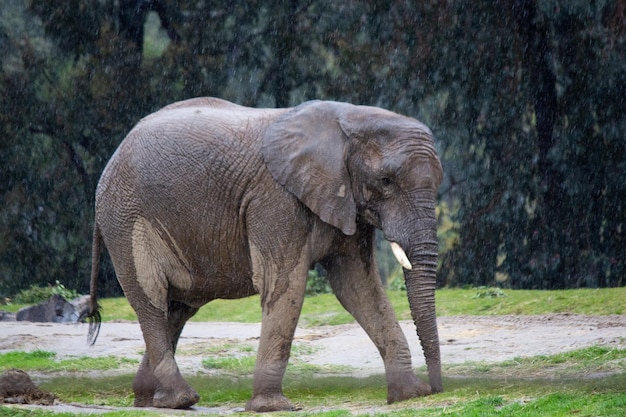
[{"x": 400, "y": 255}]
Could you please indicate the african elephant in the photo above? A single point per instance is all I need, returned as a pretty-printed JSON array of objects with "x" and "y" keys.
[{"x": 207, "y": 199}]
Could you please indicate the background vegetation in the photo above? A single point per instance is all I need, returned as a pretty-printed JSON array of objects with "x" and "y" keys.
[{"x": 525, "y": 97}]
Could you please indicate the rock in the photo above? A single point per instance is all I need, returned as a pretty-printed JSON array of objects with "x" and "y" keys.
[
  {"x": 7, "y": 316},
  {"x": 16, "y": 387},
  {"x": 55, "y": 309}
]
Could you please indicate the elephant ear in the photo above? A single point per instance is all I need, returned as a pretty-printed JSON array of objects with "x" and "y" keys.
[{"x": 305, "y": 150}]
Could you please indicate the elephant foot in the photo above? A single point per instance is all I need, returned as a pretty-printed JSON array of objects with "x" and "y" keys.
[
  {"x": 167, "y": 399},
  {"x": 406, "y": 386},
  {"x": 177, "y": 399},
  {"x": 142, "y": 400},
  {"x": 263, "y": 403},
  {"x": 170, "y": 391},
  {"x": 144, "y": 387}
]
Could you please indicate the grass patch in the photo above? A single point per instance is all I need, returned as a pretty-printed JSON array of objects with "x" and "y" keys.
[
  {"x": 602, "y": 301},
  {"x": 40, "y": 360},
  {"x": 26, "y": 412},
  {"x": 12, "y": 307},
  {"x": 220, "y": 348},
  {"x": 109, "y": 391},
  {"x": 333, "y": 396},
  {"x": 346, "y": 396},
  {"x": 238, "y": 365},
  {"x": 554, "y": 404},
  {"x": 324, "y": 309},
  {"x": 239, "y": 360},
  {"x": 117, "y": 309},
  {"x": 583, "y": 363}
]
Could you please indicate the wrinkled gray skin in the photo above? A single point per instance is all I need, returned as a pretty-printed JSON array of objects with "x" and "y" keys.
[{"x": 206, "y": 199}]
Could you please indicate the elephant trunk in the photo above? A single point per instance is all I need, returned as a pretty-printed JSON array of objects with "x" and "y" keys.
[{"x": 420, "y": 284}]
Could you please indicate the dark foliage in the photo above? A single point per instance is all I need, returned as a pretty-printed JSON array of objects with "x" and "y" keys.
[{"x": 526, "y": 99}]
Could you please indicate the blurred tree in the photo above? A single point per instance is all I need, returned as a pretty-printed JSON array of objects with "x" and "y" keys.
[
  {"x": 541, "y": 205},
  {"x": 71, "y": 89},
  {"x": 525, "y": 99}
]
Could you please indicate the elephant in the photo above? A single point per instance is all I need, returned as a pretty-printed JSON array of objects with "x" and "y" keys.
[{"x": 206, "y": 199}]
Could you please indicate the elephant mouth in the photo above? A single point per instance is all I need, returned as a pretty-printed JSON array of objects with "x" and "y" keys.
[{"x": 400, "y": 255}]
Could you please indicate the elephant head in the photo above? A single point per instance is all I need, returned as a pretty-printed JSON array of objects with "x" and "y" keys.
[{"x": 351, "y": 164}]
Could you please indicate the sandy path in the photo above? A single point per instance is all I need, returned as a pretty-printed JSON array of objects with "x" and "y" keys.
[{"x": 463, "y": 338}]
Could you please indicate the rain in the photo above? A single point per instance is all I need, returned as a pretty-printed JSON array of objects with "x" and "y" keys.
[{"x": 525, "y": 100}]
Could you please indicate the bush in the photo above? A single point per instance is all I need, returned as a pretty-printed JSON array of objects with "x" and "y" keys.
[
  {"x": 35, "y": 295},
  {"x": 396, "y": 281},
  {"x": 317, "y": 283}
]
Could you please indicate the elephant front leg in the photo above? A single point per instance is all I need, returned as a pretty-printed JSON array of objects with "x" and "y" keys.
[
  {"x": 281, "y": 310},
  {"x": 360, "y": 291}
]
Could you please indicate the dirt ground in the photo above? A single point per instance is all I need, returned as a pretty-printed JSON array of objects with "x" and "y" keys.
[{"x": 463, "y": 338}]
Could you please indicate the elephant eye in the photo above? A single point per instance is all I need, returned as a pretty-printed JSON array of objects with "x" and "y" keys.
[{"x": 386, "y": 182}]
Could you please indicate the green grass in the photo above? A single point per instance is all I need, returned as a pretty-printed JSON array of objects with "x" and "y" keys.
[
  {"x": 45, "y": 361},
  {"x": 585, "y": 363},
  {"x": 12, "y": 307},
  {"x": 472, "y": 395},
  {"x": 239, "y": 360},
  {"x": 325, "y": 309},
  {"x": 602, "y": 301},
  {"x": 108, "y": 391},
  {"x": 239, "y": 365},
  {"x": 488, "y": 403}
]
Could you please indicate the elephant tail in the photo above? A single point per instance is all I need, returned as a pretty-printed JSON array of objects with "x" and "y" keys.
[{"x": 94, "y": 317}]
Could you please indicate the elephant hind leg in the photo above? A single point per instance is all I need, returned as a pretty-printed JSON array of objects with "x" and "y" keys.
[
  {"x": 178, "y": 314},
  {"x": 145, "y": 385},
  {"x": 146, "y": 272},
  {"x": 158, "y": 382}
]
